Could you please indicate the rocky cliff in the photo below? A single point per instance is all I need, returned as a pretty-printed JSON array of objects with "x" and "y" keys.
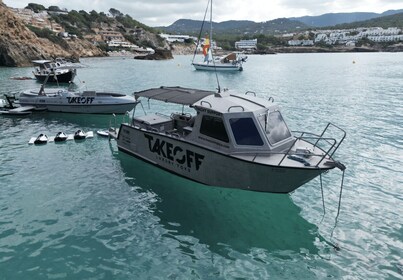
[
  {"x": 182, "y": 49},
  {"x": 19, "y": 46}
]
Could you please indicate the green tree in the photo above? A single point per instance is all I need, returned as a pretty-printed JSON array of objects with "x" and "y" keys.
[
  {"x": 54, "y": 9},
  {"x": 364, "y": 42},
  {"x": 115, "y": 13},
  {"x": 35, "y": 7}
]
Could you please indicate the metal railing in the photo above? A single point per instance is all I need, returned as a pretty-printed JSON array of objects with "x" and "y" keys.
[
  {"x": 334, "y": 144},
  {"x": 304, "y": 138},
  {"x": 308, "y": 137}
]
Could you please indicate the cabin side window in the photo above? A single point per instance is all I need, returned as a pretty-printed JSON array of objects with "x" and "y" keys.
[
  {"x": 245, "y": 132},
  {"x": 214, "y": 128},
  {"x": 275, "y": 127}
]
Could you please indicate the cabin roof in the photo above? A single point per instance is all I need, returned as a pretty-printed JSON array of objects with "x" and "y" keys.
[
  {"x": 231, "y": 102},
  {"x": 179, "y": 95},
  {"x": 41, "y": 61},
  {"x": 224, "y": 102}
]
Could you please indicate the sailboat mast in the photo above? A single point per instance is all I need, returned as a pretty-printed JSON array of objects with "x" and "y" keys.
[
  {"x": 211, "y": 45},
  {"x": 211, "y": 23}
]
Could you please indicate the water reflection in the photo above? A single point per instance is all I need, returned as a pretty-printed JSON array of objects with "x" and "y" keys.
[{"x": 218, "y": 217}]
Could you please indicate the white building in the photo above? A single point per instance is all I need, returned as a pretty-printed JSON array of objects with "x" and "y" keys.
[
  {"x": 123, "y": 44},
  {"x": 300, "y": 43},
  {"x": 175, "y": 38},
  {"x": 390, "y": 38},
  {"x": 246, "y": 44}
]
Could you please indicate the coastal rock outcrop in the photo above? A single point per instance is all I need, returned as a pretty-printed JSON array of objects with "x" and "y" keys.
[
  {"x": 182, "y": 49},
  {"x": 160, "y": 54}
]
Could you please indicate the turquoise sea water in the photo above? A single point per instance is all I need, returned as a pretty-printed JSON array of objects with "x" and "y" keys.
[{"x": 86, "y": 211}]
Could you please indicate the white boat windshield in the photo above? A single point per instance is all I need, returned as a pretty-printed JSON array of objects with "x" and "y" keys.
[{"x": 274, "y": 126}]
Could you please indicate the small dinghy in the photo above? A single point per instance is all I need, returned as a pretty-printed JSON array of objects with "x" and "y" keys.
[
  {"x": 79, "y": 135},
  {"x": 60, "y": 137},
  {"x": 103, "y": 133},
  {"x": 41, "y": 139}
]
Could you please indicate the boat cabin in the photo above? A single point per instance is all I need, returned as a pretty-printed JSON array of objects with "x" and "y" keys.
[
  {"x": 224, "y": 121},
  {"x": 44, "y": 67}
]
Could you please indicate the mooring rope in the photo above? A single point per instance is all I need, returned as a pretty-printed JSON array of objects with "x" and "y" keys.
[
  {"x": 341, "y": 191},
  {"x": 323, "y": 198}
]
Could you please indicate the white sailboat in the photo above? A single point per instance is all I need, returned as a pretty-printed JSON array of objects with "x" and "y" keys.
[{"x": 229, "y": 62}]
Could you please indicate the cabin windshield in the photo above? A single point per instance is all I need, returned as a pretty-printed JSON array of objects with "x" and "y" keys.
[
  {"x": 274, "y": 126},
  {"x": 245, "y": 132}
]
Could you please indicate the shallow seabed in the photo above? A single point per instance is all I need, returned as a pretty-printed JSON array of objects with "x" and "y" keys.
[{"x": 86, "y": 211}]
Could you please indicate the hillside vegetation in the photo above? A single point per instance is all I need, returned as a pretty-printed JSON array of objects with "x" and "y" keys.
[
  {"x": 235, "y": 27},
  {"x": 82, "y": 23}
]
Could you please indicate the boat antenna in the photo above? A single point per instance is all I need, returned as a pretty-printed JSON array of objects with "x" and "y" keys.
[{"x": 211, "y": 45}]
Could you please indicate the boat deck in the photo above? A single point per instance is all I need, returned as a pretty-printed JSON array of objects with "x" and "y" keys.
[
  {"x": 23, "y": 110},
  {"x": 292, "y": 160}
]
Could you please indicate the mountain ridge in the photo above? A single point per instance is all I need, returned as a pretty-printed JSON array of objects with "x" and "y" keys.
[
  {"x": 279, "y": 25},
  {"x": 331, "y": 19}
]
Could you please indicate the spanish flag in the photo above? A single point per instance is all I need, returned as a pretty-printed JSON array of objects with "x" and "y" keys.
[{"x": 206, "y": 46}]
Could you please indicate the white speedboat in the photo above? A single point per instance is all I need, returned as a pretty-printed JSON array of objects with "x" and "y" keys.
[
  {"x": 230, "y": 140},
  {"x": 103, "y": 133},
  {"x": 67, "y": 101}
]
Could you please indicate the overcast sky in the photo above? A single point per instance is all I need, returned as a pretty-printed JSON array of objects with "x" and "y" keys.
[{"x": 166, "y": 12}]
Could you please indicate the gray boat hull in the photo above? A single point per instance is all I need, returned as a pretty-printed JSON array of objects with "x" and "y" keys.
[{"x": 210, "y": 167}]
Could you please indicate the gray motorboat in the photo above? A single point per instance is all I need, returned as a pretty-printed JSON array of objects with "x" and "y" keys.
[
  {"x": 55, "y": 71},
  {"x": 231, "y": 140}
]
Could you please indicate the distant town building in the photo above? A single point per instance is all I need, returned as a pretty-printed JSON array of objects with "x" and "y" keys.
[
  {"x": 246, "y": 44},
  {"x": 108, "y": 35},
  {"x": 59, "y": 12},
  {"x": 352, "y": 36},
  {"x": 176, "y": 38},
  {"x": 288, "y": 35},
  {"x": 63, "y": 34},
  {"x": 39, "y": 20},
  {"x": 122, "y": 44},
  {"x": 300, "y": 43}
]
